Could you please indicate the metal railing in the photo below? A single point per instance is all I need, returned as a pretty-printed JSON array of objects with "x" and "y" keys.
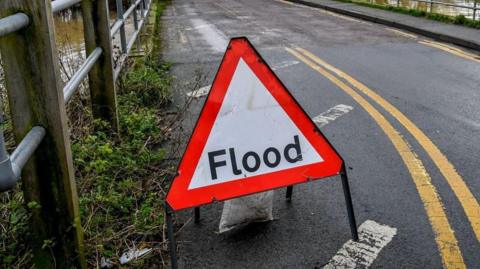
[
  {"x": 8, "y": 165},
  {"x": 13, "y": 23},
  {"x": 475, "y": 7},
  {"x": 119, "y": 25},
  {"x": 98, "y": 66}
]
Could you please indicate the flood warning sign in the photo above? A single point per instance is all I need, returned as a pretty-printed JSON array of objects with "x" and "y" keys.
[{"x": 251, "y": 136}]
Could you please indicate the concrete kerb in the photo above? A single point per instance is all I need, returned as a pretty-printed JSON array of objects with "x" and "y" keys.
[{"x": 427, "y": 33}]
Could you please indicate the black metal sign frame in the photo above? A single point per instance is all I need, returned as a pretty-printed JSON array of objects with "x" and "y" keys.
[{"x": 348, "y": 202}]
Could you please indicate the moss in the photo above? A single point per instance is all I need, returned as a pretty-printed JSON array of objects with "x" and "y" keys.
[{"x": 159, "y": 8}]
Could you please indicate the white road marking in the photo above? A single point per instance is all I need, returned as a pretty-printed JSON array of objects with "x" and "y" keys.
[
  {"x": 332, "y": 114},
  {"x": 284, "y": 64},
  {"x": 196, "y": 27},
  {"x": 347, "y": 18},
  {"x": 183, "y": 38},
  {"x": 373, "y": 237},
  {"x": 402, "y": 33},
  {"x": 199, "y": 92},
  {"x": 215, "y": 38},
  {"x": 293, "y": 4}
]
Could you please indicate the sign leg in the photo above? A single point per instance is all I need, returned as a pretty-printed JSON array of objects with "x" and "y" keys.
[
  {"x": 348, "y": 201},
  {"x": 171, "y": 237},
  {"x": 289, "y": 193},
  {"x": 197, "y": 214}
]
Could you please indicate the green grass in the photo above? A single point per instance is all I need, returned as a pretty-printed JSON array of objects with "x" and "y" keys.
[
  {"x": 14, "y": 251},
  {"x": 459, "y": 20},
  {"x": 144, "y": 83},
  {"x": 121, "y": 177}
]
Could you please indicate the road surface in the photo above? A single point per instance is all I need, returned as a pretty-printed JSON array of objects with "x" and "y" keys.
[{"x": 405, "y": 119}]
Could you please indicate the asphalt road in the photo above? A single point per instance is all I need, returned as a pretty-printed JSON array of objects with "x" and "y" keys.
[{"x": 411, "y": 141}]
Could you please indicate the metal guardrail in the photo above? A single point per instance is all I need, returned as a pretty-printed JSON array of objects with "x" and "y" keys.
[
  {"x": 36, "y": 99},
  {"x": 119, "y": 25},
  {"x": 13, "y": 23},
  {"x": 77, "y": 79},
  {"x": 474, "y": 8},
  {"x": 11, "y": 166},
  {"x": 59, "y": 5}
]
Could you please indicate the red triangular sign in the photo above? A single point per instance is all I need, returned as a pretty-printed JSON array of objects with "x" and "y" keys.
[{"x": 251, "y": 136}]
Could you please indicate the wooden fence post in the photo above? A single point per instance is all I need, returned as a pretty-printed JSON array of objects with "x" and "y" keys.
[
  {"x": 102, "y": 84},
  {"x": 36, "y": 98}
]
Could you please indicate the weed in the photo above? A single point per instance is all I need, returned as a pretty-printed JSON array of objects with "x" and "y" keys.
[
  {"x": 14, "y": 230},
  {"x": 148, "y": 83},
  {"x": 460, "y": 19},
  {"x": 120, "y": 176}
]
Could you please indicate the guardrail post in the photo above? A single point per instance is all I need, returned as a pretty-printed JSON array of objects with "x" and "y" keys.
[
  {"x": 135, "y": 24},
  {"x": 123, "y": 38},
  {"x": 36, "y": 98},
  {"x": 142, "y": 9},
  {"x": 101, "y": 78},
  {"x": 474, "y": 9},
  {"x": 147, "y": 4}
]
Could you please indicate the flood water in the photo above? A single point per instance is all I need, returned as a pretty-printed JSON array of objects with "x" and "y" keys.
[
  {"x": 70, "y": 39},
  {"x": 436, "y": 8},
  {"x": 70, "y": 43}
]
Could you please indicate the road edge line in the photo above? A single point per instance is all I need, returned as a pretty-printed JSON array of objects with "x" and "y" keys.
[
  {"x": 447, "y": 243},
  {"x": 466, "y": 198}
]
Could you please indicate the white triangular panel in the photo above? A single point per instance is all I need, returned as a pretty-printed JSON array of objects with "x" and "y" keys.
[{"x": 250, "y": 119}]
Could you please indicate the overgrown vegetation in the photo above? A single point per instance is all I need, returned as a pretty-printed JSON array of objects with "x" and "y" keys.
[
  {"x": 120, "y": 176},
  {"x": 14, "y": 250},
  {"x": 459, "y": 19}
]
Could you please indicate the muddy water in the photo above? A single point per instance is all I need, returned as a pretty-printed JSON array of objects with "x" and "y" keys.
[
  {"x": 70, "y": 41},
  {"x": 69, "y": 28},
  {"x": 70, "y": 45}
]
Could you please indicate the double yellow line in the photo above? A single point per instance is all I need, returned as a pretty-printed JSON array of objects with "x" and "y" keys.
[
  {"x": 444, "y": 235},
  {"x": 438, "y": 45},
  {"x": 451, "y": 49}
]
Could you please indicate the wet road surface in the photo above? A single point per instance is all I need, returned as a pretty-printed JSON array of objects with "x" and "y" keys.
[{"x": 409, "y": 136}]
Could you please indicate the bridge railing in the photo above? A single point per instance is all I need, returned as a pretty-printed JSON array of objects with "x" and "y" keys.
[{"x": 42, "y": 158}]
